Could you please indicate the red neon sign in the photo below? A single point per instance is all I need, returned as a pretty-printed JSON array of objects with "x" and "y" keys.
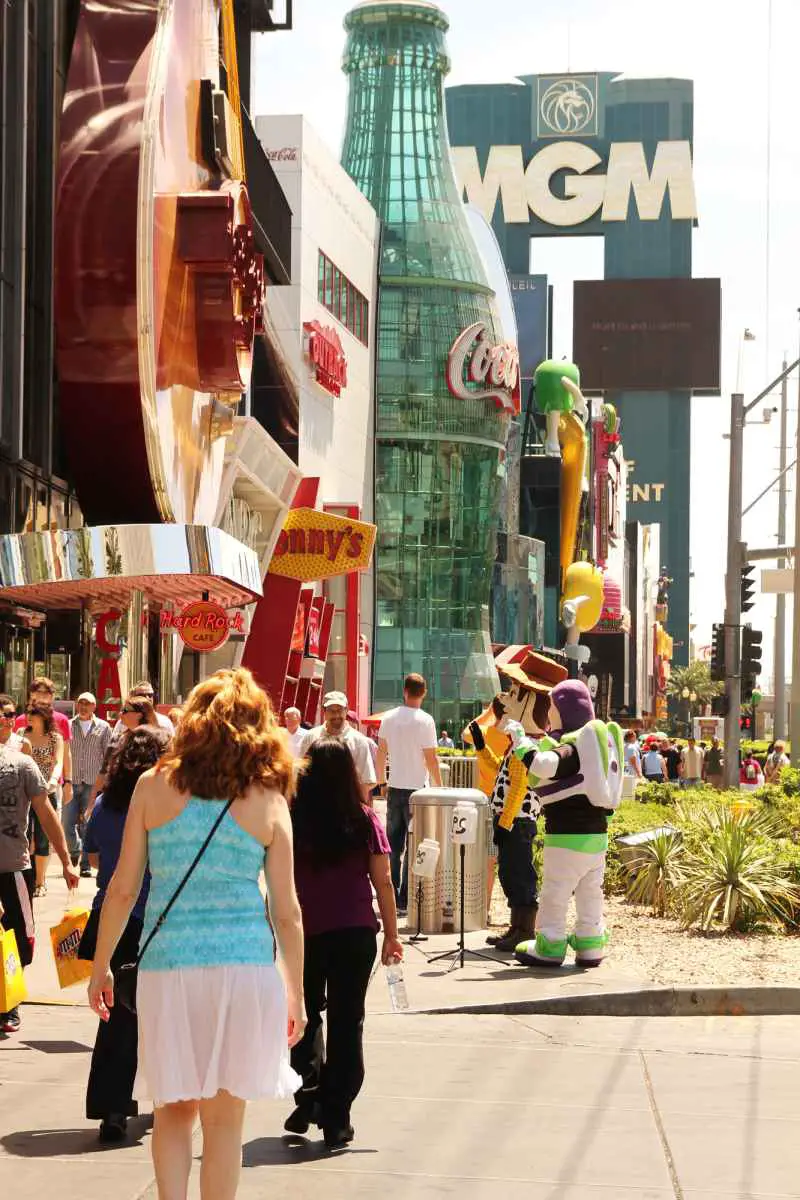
[
  {"x": 324, "y": 352},
  {"x": 202, "y": 625}
]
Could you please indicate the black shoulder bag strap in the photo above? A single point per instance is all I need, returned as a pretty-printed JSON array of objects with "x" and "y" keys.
[{"x": 182, "y": 883}]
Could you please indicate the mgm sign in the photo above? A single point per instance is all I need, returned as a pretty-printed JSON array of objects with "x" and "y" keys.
[
  {"x": 598, "y": 154},
  {"x": 590, "y": 185}
]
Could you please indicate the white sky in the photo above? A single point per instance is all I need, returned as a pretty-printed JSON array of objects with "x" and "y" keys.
[{"x": 747, "y": 176}]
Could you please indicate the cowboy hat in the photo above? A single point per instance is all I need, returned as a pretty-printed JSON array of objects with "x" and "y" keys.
[{"x": 536, "y": 672}]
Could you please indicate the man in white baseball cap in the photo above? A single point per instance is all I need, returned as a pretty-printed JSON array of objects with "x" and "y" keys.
[
  {"x": 334, "y": 708},
  {"x": 90, "y": 739}
]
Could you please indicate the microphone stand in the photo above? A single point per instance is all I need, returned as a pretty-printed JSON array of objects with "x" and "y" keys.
[{"x": 459, "y": 953}]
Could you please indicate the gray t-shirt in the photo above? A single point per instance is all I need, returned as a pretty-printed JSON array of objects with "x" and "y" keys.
[{"x": 20, "y": 781}]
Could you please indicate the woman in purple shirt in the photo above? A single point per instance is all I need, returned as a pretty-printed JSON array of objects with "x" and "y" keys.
[{"x": 341, "y": 853}]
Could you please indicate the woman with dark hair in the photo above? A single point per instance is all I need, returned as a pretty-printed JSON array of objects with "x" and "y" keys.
[
  {"x": 341, "y": 852},
  {"x": 47, "y": 749},
  {"x": 136, "y": 711},
  {"x": 109, "y": 1094}
]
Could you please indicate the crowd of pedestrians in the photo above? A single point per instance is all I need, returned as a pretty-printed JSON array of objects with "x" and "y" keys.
[{"x": 178, "y": 817}]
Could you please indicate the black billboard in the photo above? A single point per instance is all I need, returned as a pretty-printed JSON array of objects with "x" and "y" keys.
[{"x": 651, "y": 335}]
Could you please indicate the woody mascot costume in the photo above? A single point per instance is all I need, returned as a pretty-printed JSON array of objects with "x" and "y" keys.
[
  {"x": 516, "y": 715},
  {"x": 577, "y": 775}
]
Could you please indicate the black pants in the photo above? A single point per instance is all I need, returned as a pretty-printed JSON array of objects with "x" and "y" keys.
[
  {"x": 515, "y": 868},
  {"x": 336, "y": 974},
  {"x": 116, "y": 1047},
  {"x": 398, "y": 819},
  {"x": 16, "y": 899}
]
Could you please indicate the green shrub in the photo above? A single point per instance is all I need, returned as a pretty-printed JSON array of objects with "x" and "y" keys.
[
  {"x": 655, "y": 873},
  {"x": 785, "y": 804},
  {"x": 732, "y": 873},
  {"x": 631, "y": 817}
]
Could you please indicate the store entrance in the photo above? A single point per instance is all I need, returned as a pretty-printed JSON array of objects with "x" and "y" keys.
[{"x": 17, "y": 661}]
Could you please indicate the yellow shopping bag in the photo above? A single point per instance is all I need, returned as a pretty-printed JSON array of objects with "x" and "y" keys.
[
  {"x": 66, "y": 938},
  {"x": 12, "y": 982}
]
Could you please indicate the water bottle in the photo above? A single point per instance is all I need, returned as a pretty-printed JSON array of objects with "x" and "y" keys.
[{"x": 398, "y": 997}]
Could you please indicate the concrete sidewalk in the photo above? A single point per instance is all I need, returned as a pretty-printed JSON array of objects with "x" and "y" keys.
[
  {"x": 488, "y": 1108},
  {"x": 495, "y": 980}
]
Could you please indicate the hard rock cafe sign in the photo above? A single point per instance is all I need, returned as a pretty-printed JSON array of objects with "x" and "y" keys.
[
  {"x": 323, "y": 349},
  {"x": 480, "y": 369}
]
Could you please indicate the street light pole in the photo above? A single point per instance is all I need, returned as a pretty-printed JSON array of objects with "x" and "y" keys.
[
  {"x": 733, "y": 599},
  {"x": 794, "y": 716},
  {"x": 780, "y": 600}
]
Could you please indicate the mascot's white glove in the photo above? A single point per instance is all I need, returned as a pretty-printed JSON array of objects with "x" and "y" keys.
[
  {"x": 514, "y": 731},
  {"x": 545, "y": 764}
]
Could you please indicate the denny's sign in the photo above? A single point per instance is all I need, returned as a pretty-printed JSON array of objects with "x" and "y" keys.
[{"x": 316, "y": 545}]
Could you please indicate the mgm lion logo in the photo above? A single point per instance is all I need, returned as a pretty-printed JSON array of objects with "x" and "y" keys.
[{"x": 567, "y": 107}]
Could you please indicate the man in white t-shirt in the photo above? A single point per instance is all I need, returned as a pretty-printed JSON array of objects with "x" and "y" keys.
[
  {"x": 407, "y": 738},
  {"x": 294, "y": 734}
]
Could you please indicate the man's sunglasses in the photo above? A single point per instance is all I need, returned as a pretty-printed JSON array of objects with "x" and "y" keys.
[{"x": 9, "y": 714}]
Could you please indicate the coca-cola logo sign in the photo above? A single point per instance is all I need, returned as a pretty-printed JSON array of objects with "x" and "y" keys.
[
  {"x": 285, "y": 154},
  {"x": 475, "y": 359},
  {"x": 324, "y": 351}
]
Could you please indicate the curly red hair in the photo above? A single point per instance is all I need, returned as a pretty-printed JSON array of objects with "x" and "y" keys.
[{"x": 228, "y": 739}]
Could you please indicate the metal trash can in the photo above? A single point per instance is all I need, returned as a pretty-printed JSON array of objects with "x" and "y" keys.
[{"x": 431, "y": 816}]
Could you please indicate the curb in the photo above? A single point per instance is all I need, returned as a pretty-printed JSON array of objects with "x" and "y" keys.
[{"x": 650, "y": 1002}]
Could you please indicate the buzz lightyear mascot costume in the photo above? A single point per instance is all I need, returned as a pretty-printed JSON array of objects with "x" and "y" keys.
[{"x": 577, "y": 775}]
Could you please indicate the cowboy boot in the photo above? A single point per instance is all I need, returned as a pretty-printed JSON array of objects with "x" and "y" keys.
[
  {"x": 523, "y": 921},
  {"x": 494, "y": 938}
]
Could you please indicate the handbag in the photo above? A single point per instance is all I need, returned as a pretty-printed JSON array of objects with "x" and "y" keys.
[
  {"x": 125, "y": 976},
  {"x": 65, "y": 938},
  {"x": 12, "y": 982}
]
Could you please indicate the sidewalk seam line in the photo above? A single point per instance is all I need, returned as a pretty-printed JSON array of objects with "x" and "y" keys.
[{"x": 662, "y": 1133}]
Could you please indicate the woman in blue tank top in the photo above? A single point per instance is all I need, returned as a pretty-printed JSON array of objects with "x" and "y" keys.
[{"x": 212, "y": 1006}]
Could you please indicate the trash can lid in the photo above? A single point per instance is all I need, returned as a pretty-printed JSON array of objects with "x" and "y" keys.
[{"x": 448, "y": 797}]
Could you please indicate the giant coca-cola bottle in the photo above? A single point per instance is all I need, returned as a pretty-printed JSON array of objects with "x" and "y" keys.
[{"x": 446, "y": 382}]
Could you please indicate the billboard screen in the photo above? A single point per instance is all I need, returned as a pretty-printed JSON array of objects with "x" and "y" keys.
[
  {"x": 653, "y": 335},
  {"x": 529, "y": 293}
]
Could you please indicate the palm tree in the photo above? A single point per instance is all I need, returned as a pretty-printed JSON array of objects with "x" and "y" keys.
[{"x": 697, "y": 679}]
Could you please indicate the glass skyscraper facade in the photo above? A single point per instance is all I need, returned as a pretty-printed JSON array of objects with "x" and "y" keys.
[{"x": 438, "y": 457}]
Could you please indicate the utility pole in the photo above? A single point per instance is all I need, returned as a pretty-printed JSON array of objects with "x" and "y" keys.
[
  {"x": 794, "y": 716},
  {"x": 733, "y": 615},
  {"x": 780, "y": 600},
  {"x": 737, "y": 557}
]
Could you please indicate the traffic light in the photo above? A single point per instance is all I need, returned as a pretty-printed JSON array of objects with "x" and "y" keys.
[
  {"x": 747, "y": 588},
  {"x": 718, "y": 652},
  {"x": 751, "y": 659},
  {"x": 745, "y": 723}
]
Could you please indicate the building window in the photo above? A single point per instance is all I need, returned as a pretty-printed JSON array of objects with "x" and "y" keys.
[{"x": 344, "y": 301}]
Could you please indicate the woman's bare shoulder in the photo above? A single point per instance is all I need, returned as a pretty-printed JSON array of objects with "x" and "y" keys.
[
  {"x": 158, "y": 800},
  {"x": 259, "y": 809}
]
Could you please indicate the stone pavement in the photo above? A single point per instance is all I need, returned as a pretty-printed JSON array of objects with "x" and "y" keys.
[{"x": 486, "y": 1108}]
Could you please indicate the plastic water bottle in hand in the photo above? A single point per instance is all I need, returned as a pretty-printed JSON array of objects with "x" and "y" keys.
[{"x": 398, "y": 997}]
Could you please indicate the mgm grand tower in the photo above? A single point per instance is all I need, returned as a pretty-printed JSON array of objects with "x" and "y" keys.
[{"x": 447, "y": 382}]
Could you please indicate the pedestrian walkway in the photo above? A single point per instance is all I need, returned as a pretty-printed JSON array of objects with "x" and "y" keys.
[{"x": 488, "y": 1108}]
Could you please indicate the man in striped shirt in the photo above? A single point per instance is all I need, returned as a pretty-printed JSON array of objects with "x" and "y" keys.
[{"x": 90, "y": 738}]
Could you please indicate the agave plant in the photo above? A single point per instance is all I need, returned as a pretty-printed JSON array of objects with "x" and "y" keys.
[
  {"x": 656, "y": 872},
  {"x": 731, "y": 877}
]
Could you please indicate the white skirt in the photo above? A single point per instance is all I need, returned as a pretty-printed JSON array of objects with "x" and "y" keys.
[{"x": 207, "y": 1029}]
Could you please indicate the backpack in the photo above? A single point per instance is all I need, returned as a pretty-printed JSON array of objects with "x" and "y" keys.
[
  {"x": 750, "y": 771},
  {"x": 600, "y": 749}
]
